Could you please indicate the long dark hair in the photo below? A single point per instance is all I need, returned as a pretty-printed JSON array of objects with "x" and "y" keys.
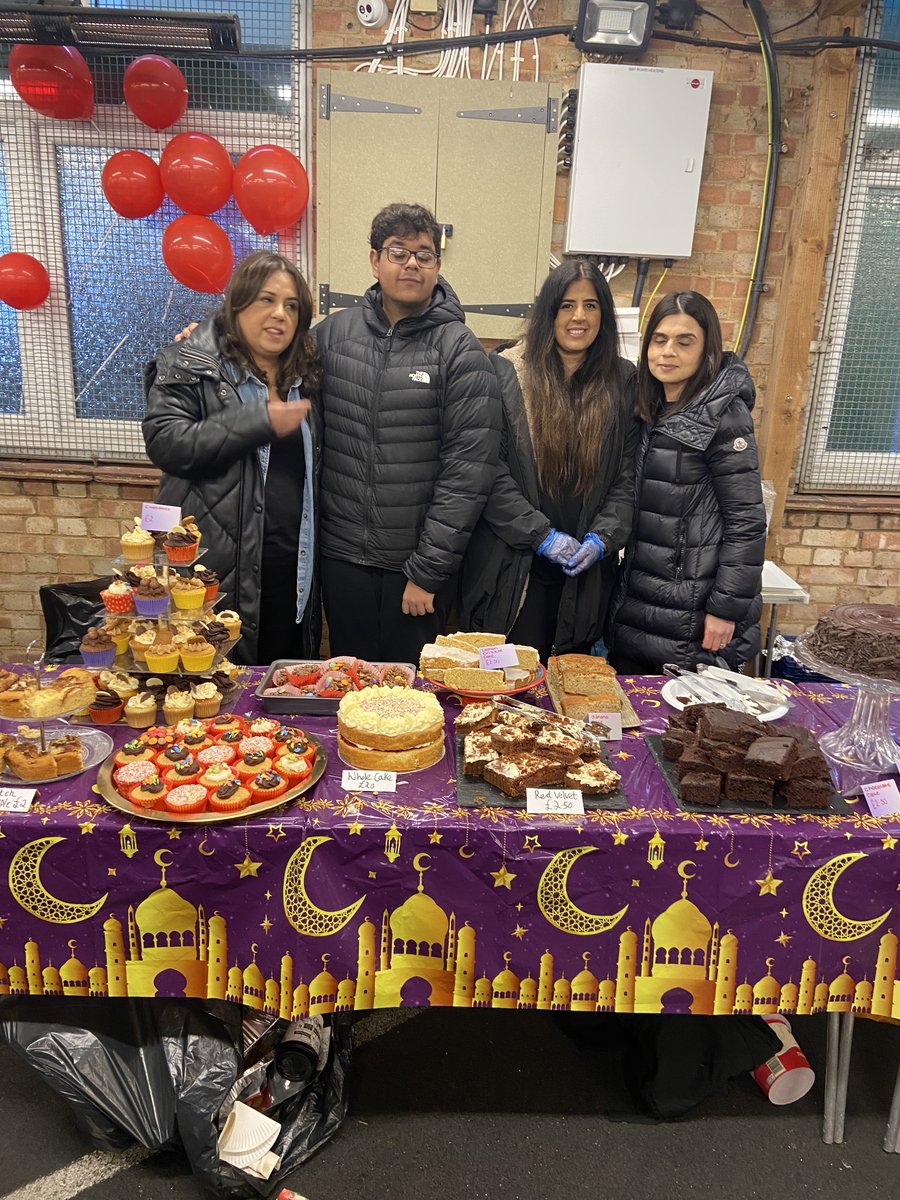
[
  {"x": 651, "y": 395},
  {"x": 571, "y": 419},
  {"x": 301, "y": 358}
]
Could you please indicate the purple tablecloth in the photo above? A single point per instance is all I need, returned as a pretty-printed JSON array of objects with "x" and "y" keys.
[{"x": 345, "y": 901}]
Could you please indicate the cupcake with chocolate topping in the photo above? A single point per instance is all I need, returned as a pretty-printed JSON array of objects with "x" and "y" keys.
[
  {"x": 149, "y": 793},
  {"x": 267, "y": 785},
  {"x": 97, "y": 649},
  {"x": 170, "y": 755},
  {"x": 151, "y": 599},
  {"x": 215, "y": 633},
  {"x": 183, "y": 772},
  {"x": 210, "y": 581},
  {"x": 180, "y": 545},
  {"x": 135, "y": 750},
  {"x": 229, "y": 797},
  {"x": 106, "y": 707},
  {"x": 252, "y": 763}
]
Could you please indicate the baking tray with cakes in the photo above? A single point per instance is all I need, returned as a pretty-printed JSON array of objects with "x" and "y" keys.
[
  {"x": 717, "y": 760},
  {"x": 316, "y": 686},
  {"x": 579, "y": 684},
  {"x": 205, "y": 772},
  {"x": 503, "y": 749},
  {"x": 453, "y": 663}
]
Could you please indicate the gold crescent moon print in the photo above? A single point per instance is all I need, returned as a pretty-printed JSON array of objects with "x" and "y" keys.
[
  {"x": 554, "y": 902},
  {"x": 819, "y": 907},
  {"x": 305, "y": 916},
  {"x": 26, "y": 887}
]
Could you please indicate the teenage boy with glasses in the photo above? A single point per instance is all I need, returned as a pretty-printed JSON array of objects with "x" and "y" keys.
[{"x": 411, "y": 413}]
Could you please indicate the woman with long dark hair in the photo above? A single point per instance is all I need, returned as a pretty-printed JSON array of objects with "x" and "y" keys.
[
  {"x": 690, "y": 589},
  {"x": 542, "y": 561},
  {"x": 228, "y": 420}
]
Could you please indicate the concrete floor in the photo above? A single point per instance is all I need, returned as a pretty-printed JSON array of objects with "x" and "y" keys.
[{"x": 460, "y": 1105}]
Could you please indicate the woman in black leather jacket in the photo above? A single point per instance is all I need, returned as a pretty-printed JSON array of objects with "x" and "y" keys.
[
  {"x": 690, "y": 589},
  {"x": 226, "y": 423}
]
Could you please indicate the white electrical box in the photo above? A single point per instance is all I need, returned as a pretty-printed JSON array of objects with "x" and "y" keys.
[{"x": 640, "y": 134}]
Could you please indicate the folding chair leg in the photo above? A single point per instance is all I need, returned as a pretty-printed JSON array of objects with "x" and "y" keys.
[
  {"x": 831, "y": 1075},
  {"x": 843, "y": 1079}
]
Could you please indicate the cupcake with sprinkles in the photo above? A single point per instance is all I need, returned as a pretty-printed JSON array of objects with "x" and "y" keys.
[
  {"x": 128, "y": 777},
  {"x": 216, "y": 754},
  {"x": 294, "y": 767},
  {"x": 252, "y": 764},
  {"x": 267, "y": 785},
  {"x": 229, "y": 797},
  {"x": 186, "y": 798},
  {"x": 135, "y": 750},
  {"x": 185, "y": 771},
  {"x": 263, "y": 725},
  {"x": 149, "y": 794},
  {"x": 250, "y": 744},
  {"x": 232, "y": 737},
  {"x": 197, "y": 740},
  {"x": 172, "y": 755},
  {"x": 227, "y": 721},
  {"x": 215, "y": 775},
  {"x": 299, "y": 744}
]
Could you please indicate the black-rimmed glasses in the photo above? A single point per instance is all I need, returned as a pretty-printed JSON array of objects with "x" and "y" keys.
[{"x": 401, "y": 255}]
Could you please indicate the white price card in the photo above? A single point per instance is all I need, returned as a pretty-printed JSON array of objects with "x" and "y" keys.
[
  {"x": 883, "y": 798},
  {"x": 495, "y": 658},
  {"x": 607, "y": 725},
  {"x": 160, "y": 516},
  {"x": 555, "y": 801},
  {"x": 16, "y": 799},
  {"x": 369, "y": 781}
]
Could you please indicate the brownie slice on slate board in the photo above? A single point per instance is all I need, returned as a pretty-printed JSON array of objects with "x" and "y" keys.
[
  {"x": 739, "y": 729},
  {"x": 725, "y": 757},
  {"x": 808, "y": 793},
  {"x": 698, "y": 787},
  {"x": 673, "y": 742},
  {"x": 771, "y": 757},
  {"x": 748, "y": 789},
  {"x": 693, "y": 759}
]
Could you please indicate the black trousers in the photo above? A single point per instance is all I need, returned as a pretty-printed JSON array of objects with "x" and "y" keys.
[
  {"x": 362, "y": 608},
  {"x": 536, "y": 623},
  {"x": 279, "y": 633}
]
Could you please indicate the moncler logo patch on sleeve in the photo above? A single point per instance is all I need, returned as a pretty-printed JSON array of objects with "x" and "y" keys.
[{"x": 740, "y": 444}]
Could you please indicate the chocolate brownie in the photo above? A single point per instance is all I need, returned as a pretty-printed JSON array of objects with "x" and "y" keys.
[
  {"x": 802, "y": 735},
  {"x": 810, "y": 763},
  {"x": 693, "y": 759},
  {"x": 698, "y": 787},
  {"x": 692, "y": 714},
  {"x": 808, "y": 793},
  {"x": 674, "y": 741},
  {"x": 724, "y": 725},
  {"x": 771, "y": 757},
  {"x": 748, "y": 789},
  {"x": 725, "y": 757}
]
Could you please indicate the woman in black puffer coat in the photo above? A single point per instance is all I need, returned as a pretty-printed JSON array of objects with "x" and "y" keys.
[{"x": 690, "y": 590}]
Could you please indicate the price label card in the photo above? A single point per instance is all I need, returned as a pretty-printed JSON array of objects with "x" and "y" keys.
[
  {"x": 554, "y": 800},
  {"x": 495, "y": 658},
  {"x": 369, "y": 781},
  {"x": 607, "y": 725},
  {"x": 160, "y": 516},
  {"x": 883, "y": 798},
  {"x": 16, "y": 799}
]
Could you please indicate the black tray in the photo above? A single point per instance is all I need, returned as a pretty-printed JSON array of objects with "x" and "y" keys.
[
  {"x": 315, "y": 706},
  {"x": 836, "y": 804},
  {"x": 474, "y": 792}
]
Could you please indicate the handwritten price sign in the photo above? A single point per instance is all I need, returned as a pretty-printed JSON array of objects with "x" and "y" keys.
[
  {"x": 556, "y": 801},
  {"x": 16, "y": 799},
  {"x": 369, "y": 781},
  {"x": 883, "y": 798}
]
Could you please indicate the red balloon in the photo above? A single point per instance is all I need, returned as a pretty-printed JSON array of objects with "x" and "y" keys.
[
  {"x": 271, "y": 188},
  {"x": 155, "y": 91},
  {"x": 131, "y": 184},
  {"x": 196, "y": 172},
  {"x": 24, "y": 282},
  {"x": 53, "y": 80},
  {"x": 198, "y": 253}
]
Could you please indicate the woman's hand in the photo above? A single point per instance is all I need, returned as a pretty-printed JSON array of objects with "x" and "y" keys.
[
  {"x": 716, "y": 633},
  {"x": 187, "y": 331},
  {"x": 416, "y": 601},
  {"x": 287, "y": 416}
]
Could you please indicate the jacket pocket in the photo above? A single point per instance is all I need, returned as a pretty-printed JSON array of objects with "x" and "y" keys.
[{"x": 680, "y": 538}]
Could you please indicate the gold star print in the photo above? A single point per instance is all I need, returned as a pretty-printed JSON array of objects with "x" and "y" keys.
[
  {"x": 452, "y": 780},
  {"x": 110, "y": 870},
  {"x": 848, "y": 835},
  {"x": 769, "y": 885},
  {"x": 502, "y": 878},
  {"x": 783, "y": 913},
  {"x": 619, "y": 838},
  {"x": 265, "y": 924},
  {"x": 623, "y": 754},
  {"x": 316, "y": 821},
  {"x": 888, "y": 842},
  {"x": 532, "y": 842},
  {"x": 783, "y": 938},
  {"x": 44, "y": 820},
  {"x": 801, "y": 849},
  {"x": 87, "y": 827},
  {"x": 268, "y": 894},
  {"x": 356, "y": 827},
  {"x": 635, "y": 883},
  {"x": 3, "y": 921},
  {"x": 519, "y": 906},
  {"x": 174, "y": 834},
  {"x": 519, "y": 932},
  {"x": 372, "y": 875},
  {"x": 434, "y": 838},
  {"x": 276, "y": 832},
  {"x": 701, "y": 843},
  {"x": 247, "y": 867}
]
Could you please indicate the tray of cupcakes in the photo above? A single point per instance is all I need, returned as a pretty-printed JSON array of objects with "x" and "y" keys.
[
  {"x": 203, "y": 772},
  {"x": 193, "y": 645},
  {"x": 141, "y": 701},
  {"x": 316, "y": 687}
]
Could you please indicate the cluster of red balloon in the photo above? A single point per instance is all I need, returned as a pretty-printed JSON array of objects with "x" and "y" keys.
[{"x": 269, "y": 183}]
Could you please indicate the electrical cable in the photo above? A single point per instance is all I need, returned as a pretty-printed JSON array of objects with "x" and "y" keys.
[
  {"x": 427, "y": 28},
  {"x": 640, "y": 278},
  {"x": 773, "y": 107},
  {"x": 812, "y": 12},
  {"x": 650, "y": 300}
]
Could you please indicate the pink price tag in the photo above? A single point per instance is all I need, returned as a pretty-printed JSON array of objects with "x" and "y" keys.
[
  {"x": 495, "y": 658},
  {"x": 883, "y": 798},
  {"x": 160, "y": 516}
]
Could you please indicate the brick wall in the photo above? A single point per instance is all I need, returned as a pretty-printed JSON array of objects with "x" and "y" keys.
[{"x": 58, "y": 524}]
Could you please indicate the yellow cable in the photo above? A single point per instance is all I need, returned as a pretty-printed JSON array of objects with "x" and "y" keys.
[
  {"x": 650, "y": 301},
  {"x": 762, "y": 212}
]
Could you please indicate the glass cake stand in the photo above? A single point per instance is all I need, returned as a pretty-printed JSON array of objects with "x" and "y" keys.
[{"x": 865, "y": 742}]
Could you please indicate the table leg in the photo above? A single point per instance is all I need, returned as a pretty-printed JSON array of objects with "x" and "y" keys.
[
  {"x": 770, "y": 640},
  {"x": 831, "y": 1075},
  {"x": 843, "y": 1076},
  {"x": 892, "y": 1135}
]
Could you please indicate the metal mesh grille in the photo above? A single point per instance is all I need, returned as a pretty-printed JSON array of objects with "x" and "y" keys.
[
  {"x": 70, "y": 370},
  {"x": 854, "y": 437}
]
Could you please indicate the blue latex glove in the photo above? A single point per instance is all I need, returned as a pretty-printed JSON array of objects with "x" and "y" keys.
[
  {"x": 589, "y": 552},
  {"x": 558, "y": 547}
]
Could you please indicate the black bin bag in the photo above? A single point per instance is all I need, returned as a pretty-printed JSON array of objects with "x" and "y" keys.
[
  {"x": 70, "y": 610},
  {"x": 157, "y": 1073}
]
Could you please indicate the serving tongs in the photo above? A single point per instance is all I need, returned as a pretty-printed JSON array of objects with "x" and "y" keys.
[
  {"x": 546, "y": 718},
  {"x": 713, "y": 685}
]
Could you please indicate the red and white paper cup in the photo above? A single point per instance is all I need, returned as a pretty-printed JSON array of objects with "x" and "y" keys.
[{"x": 787, "y": 1075}]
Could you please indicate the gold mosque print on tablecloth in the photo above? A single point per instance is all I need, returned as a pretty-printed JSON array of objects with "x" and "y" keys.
[{"x": 422, "y": 956}]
